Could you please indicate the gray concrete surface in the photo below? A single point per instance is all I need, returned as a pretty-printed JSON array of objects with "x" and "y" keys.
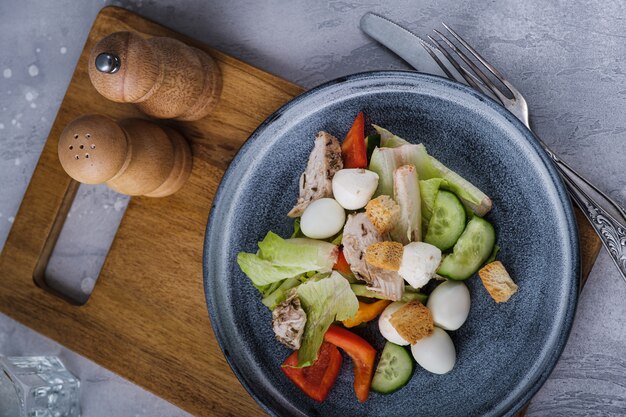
[{"x": 567, "y": 57}]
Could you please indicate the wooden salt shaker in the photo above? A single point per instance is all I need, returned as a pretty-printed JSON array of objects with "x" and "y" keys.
[
  {"x": 134, "y": 157},
  {"x": 164, "y": 77}
]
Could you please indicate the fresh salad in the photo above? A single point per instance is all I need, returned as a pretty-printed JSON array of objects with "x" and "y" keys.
[{"x": 382, "y": 231}]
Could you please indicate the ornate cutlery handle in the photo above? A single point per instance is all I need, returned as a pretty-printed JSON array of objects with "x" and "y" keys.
[{"x": 606, "y": 216}]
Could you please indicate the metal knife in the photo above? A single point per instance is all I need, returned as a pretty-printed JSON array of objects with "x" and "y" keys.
[{"x": 403, "y": 43}]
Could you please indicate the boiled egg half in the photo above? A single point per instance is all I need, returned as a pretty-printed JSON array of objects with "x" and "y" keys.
[
  {"x": 449, "y": 304},
  {"x": 322, "y": 219},
  {"x": 386, "y": 328},
  {"x": 435, "y": 353},
  {"x": 354, "y": 187}
]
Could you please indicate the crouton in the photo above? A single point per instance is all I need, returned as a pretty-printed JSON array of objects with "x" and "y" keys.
[
  {"x": 383, "y": 212},
  {"x": 413, "y": 321},
  {"x": 385, "y": 255},
  {"x": 497, "y": 281}
]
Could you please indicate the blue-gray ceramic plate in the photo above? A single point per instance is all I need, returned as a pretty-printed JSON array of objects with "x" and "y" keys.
[{"x": 504, "y": 352}]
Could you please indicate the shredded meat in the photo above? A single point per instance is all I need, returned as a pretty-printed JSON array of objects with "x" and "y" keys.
[
  {"x": 358, "y": 234},
  {"x": 288, "y": 320},
  {"x": 316, "y": 180},
  {"x": 388, "y": 283}
]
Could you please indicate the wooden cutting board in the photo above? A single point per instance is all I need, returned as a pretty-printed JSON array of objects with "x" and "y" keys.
[{"x": 147, "y": 319}]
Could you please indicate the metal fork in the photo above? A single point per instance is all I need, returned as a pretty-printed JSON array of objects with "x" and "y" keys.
[{"x": 606, "y": 216}]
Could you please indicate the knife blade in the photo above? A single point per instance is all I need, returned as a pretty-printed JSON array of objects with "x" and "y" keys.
[{"x": 405, "y": 44}]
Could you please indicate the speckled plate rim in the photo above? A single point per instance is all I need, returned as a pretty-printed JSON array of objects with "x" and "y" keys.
[{"x": 516, "y": 400}]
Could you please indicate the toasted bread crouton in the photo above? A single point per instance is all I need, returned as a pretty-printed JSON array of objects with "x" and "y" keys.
[
  {"x": 383, "y": 212},
  {"x": 413, "y": 321},
  {"x": 497, "y": 281},
  {"x": 385, "y": 255}
]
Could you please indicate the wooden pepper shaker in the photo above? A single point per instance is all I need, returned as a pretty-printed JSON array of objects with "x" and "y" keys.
[
  {"x": 134, "y": 157},
  {"x": 165, "y": 78}
]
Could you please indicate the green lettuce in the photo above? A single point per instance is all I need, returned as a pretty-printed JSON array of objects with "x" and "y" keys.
[
  {"x": 410, "y": 293},
  {"x": 324, "y": 301},
  {"x": 470, "y": 195},
  {"x": 406, "y": 192},
  {"x": 399, "y": 152},
  {"x": 386, "y": 160},
  {"x": 296, "y": 229},
  {"x": 388, "y": 139},
  {"x": 278, "y": 295},
  {"x": 280, "y": 258},
  {"x": 265, "y": 290}
]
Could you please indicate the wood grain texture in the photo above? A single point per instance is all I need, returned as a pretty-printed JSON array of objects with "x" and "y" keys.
[
  {"x": 165, "y": 77},
  {"x": 147, "y": 318},
  {"x": 132, "y": 156}
]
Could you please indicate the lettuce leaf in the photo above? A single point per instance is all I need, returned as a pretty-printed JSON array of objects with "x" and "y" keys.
[
  {"x": 278, "y": 295},
  {"x": 386, "y": 160},
  {"x": 399, "y": 152},
  {"x": 324, "y": 301},
  {"x": 263, "y": 272},
  {"x": 280, "y": 258},
  {"x": 469, "y": 194},
  {"x": 388, "y": 139},
  {"x": 265, "y": 290},
  {"x": 296, "y": 229},
  {"x": 315, "y": 255},
  {"x": 406, "y": 192}
]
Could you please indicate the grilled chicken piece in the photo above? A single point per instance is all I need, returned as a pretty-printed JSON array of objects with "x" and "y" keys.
[
  {"x": 316, "y": 180},
  {"x": 288, "y": 320},
  {"x": 358, "y": 234},
  {"x": 387, "y": 282}
]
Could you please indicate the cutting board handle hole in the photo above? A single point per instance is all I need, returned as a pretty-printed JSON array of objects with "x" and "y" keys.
[{"x": 85, "y": 229}]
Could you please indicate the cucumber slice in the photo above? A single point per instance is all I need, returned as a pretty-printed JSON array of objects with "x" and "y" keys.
[
  {"x": 447, "y": 222},
  {"x": 470, "y": 251},
  {"x": 394, "y": 369},
  {"x": 410, "y": 294}
]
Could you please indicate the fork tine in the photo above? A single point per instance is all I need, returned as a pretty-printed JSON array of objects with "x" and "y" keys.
[
  {"x": 486, "y": 81},
  {"x": 435, "y": 58},
  {"x": 460, "y": 73},
  {"x": 482, "y": 85},
  {"x": 482, "y": 60},
  {"x": 452, "y": 61}
]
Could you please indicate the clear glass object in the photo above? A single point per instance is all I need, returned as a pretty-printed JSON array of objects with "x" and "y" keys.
[{"x": 37, "y": 386}]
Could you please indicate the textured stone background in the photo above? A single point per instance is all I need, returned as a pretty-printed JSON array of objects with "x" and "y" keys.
[{"x": 565, "y": 56}]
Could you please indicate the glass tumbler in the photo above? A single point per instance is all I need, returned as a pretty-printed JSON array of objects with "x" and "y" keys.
[{"x": 37, "y": 386}]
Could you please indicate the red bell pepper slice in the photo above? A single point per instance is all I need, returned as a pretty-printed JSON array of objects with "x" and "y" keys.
[
  {"x": 315, "y": 380},
  {"x": 353, "y": 149},
  {"x": 363, "y": 356},
  {"x": 342, "y": 266}
]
